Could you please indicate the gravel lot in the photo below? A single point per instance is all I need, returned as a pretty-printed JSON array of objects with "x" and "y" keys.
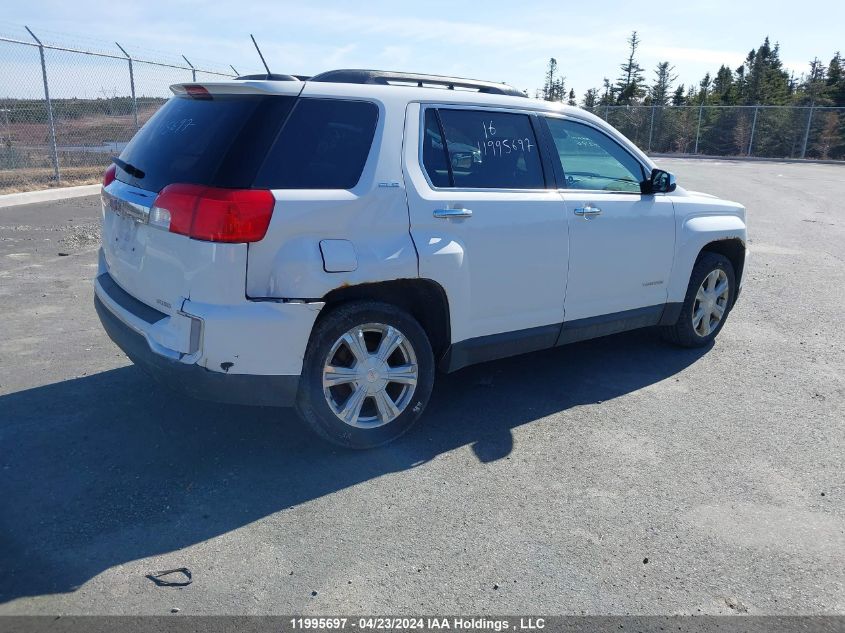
[{"x": 614, "y": 476}]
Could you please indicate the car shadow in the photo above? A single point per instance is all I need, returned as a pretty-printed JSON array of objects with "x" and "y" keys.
[{"x": 109, "y": 468}]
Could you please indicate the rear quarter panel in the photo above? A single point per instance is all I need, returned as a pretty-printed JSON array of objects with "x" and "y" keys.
[{"x": 373, "y": 217}]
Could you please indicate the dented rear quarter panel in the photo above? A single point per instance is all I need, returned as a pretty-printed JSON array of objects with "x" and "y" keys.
[{"x": 373, "y": 216}]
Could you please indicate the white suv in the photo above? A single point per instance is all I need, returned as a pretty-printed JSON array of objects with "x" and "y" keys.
[{"x": 329, "y": 242}]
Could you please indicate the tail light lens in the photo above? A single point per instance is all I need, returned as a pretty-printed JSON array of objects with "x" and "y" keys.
[
  {"x": 109, "y": 176},
  {"x": 197, "y": 92},
  {"x": 213, "y": 214}
]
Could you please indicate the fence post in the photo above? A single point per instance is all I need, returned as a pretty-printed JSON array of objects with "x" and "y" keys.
[
  {"x": 753, "y": 127},
  {"x": 53, "y": 147},
  {"x": 131, "y": 85},
  {"x": 807, "y": 131},
  {"x": 193, "y": 70},
  {"x": 651, "y": 128},
  {"x": 698, "y": 129}
]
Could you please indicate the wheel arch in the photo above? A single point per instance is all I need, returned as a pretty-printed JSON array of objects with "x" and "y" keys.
[
  {"x": 424, "y": 299},
  {"x": 731, "y": 248}
]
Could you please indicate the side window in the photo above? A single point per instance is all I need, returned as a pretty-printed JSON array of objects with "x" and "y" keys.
[
  {"x": 434, "y": 151},
  {"x": 484, "y": 149},
  {"x": 323, "y": 145},
  {"x": 592, "y": 160}
]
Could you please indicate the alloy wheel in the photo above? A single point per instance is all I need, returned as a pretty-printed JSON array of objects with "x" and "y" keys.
[
  {"x": 370, "y": 375},
  {"x": 711, "y": 302}
]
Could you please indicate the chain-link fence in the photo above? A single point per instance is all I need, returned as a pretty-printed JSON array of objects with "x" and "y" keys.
[
  {"x": 761, "y": 131},
  {"x": 64, "y": 111}
]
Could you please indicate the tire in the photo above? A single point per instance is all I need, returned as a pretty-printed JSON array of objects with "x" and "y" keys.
[
  {"x": 334, "y": 376},
  {"x": 688, "y": 331}
]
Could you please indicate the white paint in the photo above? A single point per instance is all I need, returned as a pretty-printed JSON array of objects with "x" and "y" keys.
[{"x": 522, "y": 260}]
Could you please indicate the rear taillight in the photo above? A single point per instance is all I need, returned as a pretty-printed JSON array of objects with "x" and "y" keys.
[
  {"x": 109, "y": 176},
  {"x": 212, "y": 214}
]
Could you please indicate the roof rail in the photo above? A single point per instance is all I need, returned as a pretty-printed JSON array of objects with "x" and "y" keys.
[{"x": 391, "y": 78}]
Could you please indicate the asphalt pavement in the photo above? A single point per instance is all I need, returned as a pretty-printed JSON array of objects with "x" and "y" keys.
[{"x": 614, "y": 476}]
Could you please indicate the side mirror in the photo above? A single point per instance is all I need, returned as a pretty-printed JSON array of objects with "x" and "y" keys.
[{"x": 660, "y": 182}]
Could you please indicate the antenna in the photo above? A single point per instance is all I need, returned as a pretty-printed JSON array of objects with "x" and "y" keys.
[{"x": 260, "y": 55}]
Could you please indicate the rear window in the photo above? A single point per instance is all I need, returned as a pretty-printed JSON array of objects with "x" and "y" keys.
[
  {"x": 324, "y": 145},
  {"x": 219, "y": 141}
]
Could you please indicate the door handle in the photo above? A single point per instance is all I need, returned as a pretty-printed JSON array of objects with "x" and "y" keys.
[
  {"x": 452, "y": 213},
  {"x": 588, "y": 211}
]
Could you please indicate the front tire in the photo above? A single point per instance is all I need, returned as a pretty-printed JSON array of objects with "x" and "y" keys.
[
  {"x": 709, "y": 299},
  {"x": 367, "y": 375}
]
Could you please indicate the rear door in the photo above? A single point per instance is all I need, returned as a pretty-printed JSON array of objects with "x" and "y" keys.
[
  {"x": 622, "y": 242},
  {"x": 487, "y": 224}
]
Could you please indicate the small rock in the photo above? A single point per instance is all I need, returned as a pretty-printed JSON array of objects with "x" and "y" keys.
[
  {"x": 313, "y": 593},
  {"x": 174, "y": 610},
  {"x": 645, "y": 561},
  {"x": 736, "y": 605},
  {"x": 822, "y": 494},
  {"x": 495, "y": 587},
  {"x": 63, "y": 254}
]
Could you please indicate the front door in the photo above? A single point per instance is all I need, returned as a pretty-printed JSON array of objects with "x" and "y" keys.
[{"x": 622, "y": 242}]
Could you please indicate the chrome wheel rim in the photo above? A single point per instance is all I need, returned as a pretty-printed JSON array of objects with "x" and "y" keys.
[
  {"x": 370, "y": 375},
  {"x": 710, "y": 303}
]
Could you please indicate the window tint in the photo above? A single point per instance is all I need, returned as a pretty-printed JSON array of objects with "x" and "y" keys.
[
  {"x": 323, "y": 145},
  {"x": 489, "y": 150},
  {"x": 218, "y": 141},
  {"x": 591, "y": 160}
]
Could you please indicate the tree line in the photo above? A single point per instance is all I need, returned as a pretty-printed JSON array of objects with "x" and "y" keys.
[{"x": 761, "y": 80}]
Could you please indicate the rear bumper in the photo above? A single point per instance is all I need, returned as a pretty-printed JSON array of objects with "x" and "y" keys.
[
  {"x": 193, "y": 380},
  {"x": 257, "y": 346}
]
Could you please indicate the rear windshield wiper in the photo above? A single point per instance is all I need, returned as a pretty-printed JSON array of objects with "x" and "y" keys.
[{"x": 128, "y": 168}]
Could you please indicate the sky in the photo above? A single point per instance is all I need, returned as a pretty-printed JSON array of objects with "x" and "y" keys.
[{"x": 494, "y": 40}]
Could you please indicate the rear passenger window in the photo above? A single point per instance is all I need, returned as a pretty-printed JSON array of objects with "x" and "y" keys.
[
  {"x": 434, "y": 151},
  {"x": 323, "y": 145},
  {"x": 484, "y": 150}
]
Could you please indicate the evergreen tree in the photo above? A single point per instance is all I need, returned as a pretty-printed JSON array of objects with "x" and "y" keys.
[
  {"x": 760, "y": 80},
  {"x": 572, "y": 101},
  {"x": 663, "y": 83},
  {"x": 724, "y": 91},
  {"x": 835, "y": 84},
  {"x": 608, "y": 96},
  {"x": 704, "y": 88},
  {"x": 553, "y": 89},
  {"x": 629, "y": 86},
  {"x": 764, "y": 79},
  {"x": 813, "y": 88},
  {"x": 832, "y": 137}
]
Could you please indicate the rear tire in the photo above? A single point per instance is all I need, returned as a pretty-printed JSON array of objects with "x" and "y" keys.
[
  {"x": 707, "y": 303},
  {"x": 367, "y": 375}
]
